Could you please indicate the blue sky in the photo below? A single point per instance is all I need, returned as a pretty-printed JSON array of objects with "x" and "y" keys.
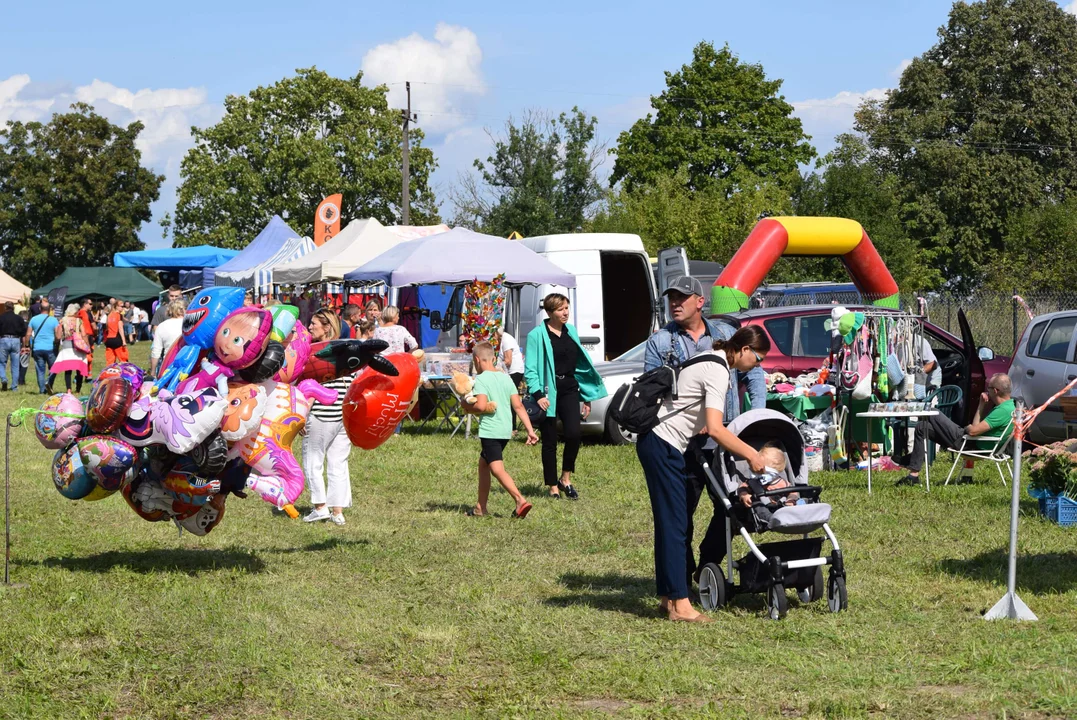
[{"x": 472, "y": 66}]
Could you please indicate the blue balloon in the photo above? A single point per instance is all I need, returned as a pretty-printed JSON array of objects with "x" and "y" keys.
[{"x": 204, "y": 315}]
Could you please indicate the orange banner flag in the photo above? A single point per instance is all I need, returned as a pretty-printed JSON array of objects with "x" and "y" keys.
[{"x": 327, "y": 218}]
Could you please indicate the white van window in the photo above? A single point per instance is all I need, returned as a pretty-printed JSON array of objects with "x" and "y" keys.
[{"x": 1056, "y": 340}]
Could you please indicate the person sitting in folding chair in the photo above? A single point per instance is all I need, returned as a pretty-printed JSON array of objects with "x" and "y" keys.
[{"x": 940, "y": 429}]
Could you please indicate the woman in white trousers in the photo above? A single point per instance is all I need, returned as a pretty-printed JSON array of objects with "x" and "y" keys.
[{"x": 326, "y": 446}]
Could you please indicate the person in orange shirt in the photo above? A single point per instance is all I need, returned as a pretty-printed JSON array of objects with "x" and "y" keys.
[
  {"x": 115, "y": 338},
  {"x": 89, "y": 330}
]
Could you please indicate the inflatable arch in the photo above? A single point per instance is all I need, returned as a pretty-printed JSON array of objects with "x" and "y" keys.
[{"x": 776, "y": 236}]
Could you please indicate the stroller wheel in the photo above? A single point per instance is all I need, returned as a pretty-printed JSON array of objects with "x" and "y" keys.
[
  {"x": 815, "y": 592},
  {"x": 836, "y": 597},
  {"x": 777, "y": 602},
  {"x": 711, "y": 587}
]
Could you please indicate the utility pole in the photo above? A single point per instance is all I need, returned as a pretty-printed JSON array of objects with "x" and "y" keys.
[{"x": 405, "y": 199}]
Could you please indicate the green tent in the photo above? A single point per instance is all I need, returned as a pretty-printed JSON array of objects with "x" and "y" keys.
[{"x": 120, "y": 283}]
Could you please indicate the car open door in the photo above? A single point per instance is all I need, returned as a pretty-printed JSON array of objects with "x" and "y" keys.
[
  {"x": 973, "y": 381},
  {"x": 672, "y": 263}
]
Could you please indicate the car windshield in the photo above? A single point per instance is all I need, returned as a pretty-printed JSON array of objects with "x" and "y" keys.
[{"x": 633, "y": 355}]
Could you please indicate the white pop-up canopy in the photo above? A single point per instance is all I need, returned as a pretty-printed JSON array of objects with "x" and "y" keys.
[{"x": 360, "y": 241}]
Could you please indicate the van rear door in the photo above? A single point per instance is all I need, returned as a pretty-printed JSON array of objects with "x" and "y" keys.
[{"x": 672, "y": 264}]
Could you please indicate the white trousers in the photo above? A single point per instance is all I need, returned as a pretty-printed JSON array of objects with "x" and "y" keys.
[{"x": 326, "y": 446}]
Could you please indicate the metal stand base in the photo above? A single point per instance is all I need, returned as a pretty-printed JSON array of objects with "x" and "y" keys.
[
  {"x": 7, "y": 510},
  {"x": 1010, "y": 607}
]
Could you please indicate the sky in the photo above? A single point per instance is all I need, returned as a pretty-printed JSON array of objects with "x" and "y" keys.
[{"x": 472, "y": 66}]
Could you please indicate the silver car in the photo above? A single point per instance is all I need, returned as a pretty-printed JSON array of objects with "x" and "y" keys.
[
  {"x": 1043, "y": 363},
  {"x": 615, "y": 373}
]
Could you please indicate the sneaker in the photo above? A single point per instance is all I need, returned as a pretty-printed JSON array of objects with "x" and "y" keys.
[
  {"x": 317, "y": 514},
  {"x": 337, "y": 519},
  {"x": 908, "y": 480}
]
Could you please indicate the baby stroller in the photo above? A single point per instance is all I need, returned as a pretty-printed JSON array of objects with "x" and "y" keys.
[{"x": 772, "y": 567}]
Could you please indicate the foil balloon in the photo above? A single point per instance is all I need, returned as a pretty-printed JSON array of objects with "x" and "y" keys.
[
  {"x": 70, "y": 476},
  {"x": 243, "y": 411},
  {"x": 210, "y": 455},
  {"x": 107, "y": 459},
  {"x": 179, "y": 422},
  {"x": 375, "y": 403},
  {"x": 204, "y": 315},
  {"x": 109, "y": 402},
  {"x": 296, "y": 354},
  {"x": 275, "y": 473},
  {"x": 56, "y": 431},
  {"x": 266, "y": 366},
  {"x": 285, "y": 318},
  {"x": 188, "y": 484},
  {"x": 208, "y": 517},
  {"x": 334, "y": 358},
  {"x": 242, "y": 337},
  {"x": 128, "y": 371}
]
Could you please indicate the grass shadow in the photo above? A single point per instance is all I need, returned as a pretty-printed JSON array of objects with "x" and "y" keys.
[
  {"x": 320, "y": 546},
  {"x": 1041, "y": 573},
  {"x": 182, "y": 560},
  {"x": 615, "y": 592},
  {"x": 458, "y": 508}
]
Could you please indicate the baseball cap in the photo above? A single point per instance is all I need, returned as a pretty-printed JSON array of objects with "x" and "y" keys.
[{"x": 685, "y": 285}]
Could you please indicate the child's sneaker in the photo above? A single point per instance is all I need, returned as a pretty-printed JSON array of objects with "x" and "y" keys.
[{"x": 317, "y": 514}]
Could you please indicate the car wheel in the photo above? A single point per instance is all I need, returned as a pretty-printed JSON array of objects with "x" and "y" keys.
[{"x": 616, "y": 435}]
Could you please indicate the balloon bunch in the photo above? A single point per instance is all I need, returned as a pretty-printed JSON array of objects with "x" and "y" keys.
[
  {"x": 485, "y": 303},
  {"x": 232, "y": 395}
]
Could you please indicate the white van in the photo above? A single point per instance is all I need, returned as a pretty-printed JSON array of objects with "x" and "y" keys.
[{"x": 614, "y": 305}]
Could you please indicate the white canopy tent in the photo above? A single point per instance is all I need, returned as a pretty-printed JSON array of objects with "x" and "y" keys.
[
  {"x": 260, "y": 277},
  {"x": 360, "y": 241}
]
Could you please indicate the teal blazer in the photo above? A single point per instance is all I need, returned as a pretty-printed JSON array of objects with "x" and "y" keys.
[{"x": 538, "y": 368}]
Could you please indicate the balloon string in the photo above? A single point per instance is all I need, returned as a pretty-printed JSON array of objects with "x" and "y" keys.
[{"x": 21, "y": 415}]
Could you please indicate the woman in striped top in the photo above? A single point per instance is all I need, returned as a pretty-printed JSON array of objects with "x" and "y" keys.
[{"x": 325, "y": 444}]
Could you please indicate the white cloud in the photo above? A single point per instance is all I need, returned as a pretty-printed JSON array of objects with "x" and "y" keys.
[
  {"x": 166, "y": 113},
  {"x": 896, "y": 72},
  {"x": 1071, "y": 8},
  {"x": 826, "y": 117},
  {"x": 444, "y": 73}
]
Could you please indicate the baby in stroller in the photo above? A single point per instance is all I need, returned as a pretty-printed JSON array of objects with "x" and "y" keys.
[
  {"x": 772, "y": 478},
  {"x": 780, "y": 501}
]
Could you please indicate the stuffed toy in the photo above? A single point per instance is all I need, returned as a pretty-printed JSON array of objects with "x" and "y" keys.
[{"x": 464, "y": 385}]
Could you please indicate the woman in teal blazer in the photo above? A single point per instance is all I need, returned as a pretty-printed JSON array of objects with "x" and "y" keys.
[{"x": 560, "y": 375}]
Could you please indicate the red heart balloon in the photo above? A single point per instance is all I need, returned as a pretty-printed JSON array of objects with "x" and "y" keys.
[{"x": 376, "y": 403}]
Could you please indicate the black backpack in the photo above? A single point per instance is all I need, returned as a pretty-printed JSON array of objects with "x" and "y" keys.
[{"x": 635, "y": 406}]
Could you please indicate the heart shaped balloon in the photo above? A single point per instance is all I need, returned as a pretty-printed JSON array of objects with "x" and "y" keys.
[{"x": 375, "y": 403}]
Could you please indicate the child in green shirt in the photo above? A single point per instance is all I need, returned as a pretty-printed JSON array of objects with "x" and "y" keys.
[{"x": 494, "y": 386}]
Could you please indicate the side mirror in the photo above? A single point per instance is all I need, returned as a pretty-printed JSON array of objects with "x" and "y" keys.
[
  {"x": 986, "y": 353},
  {"x": 435, "y": 319}
]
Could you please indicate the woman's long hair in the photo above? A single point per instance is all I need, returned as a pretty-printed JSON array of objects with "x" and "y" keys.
[{"x": 748, "y": 336}]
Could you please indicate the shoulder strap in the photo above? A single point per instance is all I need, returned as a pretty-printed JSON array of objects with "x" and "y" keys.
[
  {"x": 39, "y": 325},
  {"x": 702, "y": 359}
]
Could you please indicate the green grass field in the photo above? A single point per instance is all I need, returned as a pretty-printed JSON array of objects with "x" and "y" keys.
[{"x": 414, "y": 610}]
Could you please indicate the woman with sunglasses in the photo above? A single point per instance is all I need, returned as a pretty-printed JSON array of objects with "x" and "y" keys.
[{"x": 700, "y": 404}]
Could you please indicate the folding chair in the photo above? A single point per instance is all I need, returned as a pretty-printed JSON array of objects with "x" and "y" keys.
[{"x": 998, "y": 453}]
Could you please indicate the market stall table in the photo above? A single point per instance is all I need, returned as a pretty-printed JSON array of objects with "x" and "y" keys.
[
  {"x": 896, "y": 414},
  {"x": 801, "y": 407},
  {"x": 446, "y": 402}
]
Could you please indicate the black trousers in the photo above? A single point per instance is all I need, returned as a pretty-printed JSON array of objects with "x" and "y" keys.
[
  {"x": 712, "y": 548},
  {"x": 568, "y": 410},
  {"x": 937, "y": 428}
]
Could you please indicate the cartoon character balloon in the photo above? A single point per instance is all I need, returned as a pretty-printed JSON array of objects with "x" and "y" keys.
[
  {"x": 60, "y": 421},
  {"x": 285, "y": 319},
  {"x": 296, "y": 354},
  {"x": 204, "y": 315},
  {"x": 376, "y": 403},
  {"x": 242, "y": 337},
  {"x": 275, "y": 473},
  {"x": 331, "y": 359},
  {"x": 179, "y": 422}
]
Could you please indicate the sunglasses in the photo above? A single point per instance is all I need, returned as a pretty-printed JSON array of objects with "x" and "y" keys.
[{"x": 758, "y": 357}]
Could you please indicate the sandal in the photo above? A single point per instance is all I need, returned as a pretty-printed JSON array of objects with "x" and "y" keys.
[
  {"x": 471, "y": 512},
  {"x": 522, "y": 511}
]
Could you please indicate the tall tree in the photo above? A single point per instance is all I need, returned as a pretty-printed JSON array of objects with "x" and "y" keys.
[
  {"x": 282, "y": 148},
  {"x": 981, "y": 126},
  {"x": 1038, "y": 250},
  {"x": 721, "y": 122},
  {"x": 847, "y": 183},
  {"x": 72, "y": 192},
  {"x": 540, "y": 179}
]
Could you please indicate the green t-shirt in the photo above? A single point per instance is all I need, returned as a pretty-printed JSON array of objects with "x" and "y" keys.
[
  {"x": 499, "y": 388},
  {"x": 997, "y": 420}
]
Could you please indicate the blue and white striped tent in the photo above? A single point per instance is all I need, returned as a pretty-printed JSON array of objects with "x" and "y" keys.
[{"x": 260, "y": 277}]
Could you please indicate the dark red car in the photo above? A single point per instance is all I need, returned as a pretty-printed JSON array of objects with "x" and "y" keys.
[{"x": 800, "y": 343}]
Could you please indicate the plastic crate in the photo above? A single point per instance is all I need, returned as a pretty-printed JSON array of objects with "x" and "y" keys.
[{"x": 1060, "y": 510}]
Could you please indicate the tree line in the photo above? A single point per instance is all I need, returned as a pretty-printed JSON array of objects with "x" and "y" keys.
[{"x": 963, "y": 175}]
